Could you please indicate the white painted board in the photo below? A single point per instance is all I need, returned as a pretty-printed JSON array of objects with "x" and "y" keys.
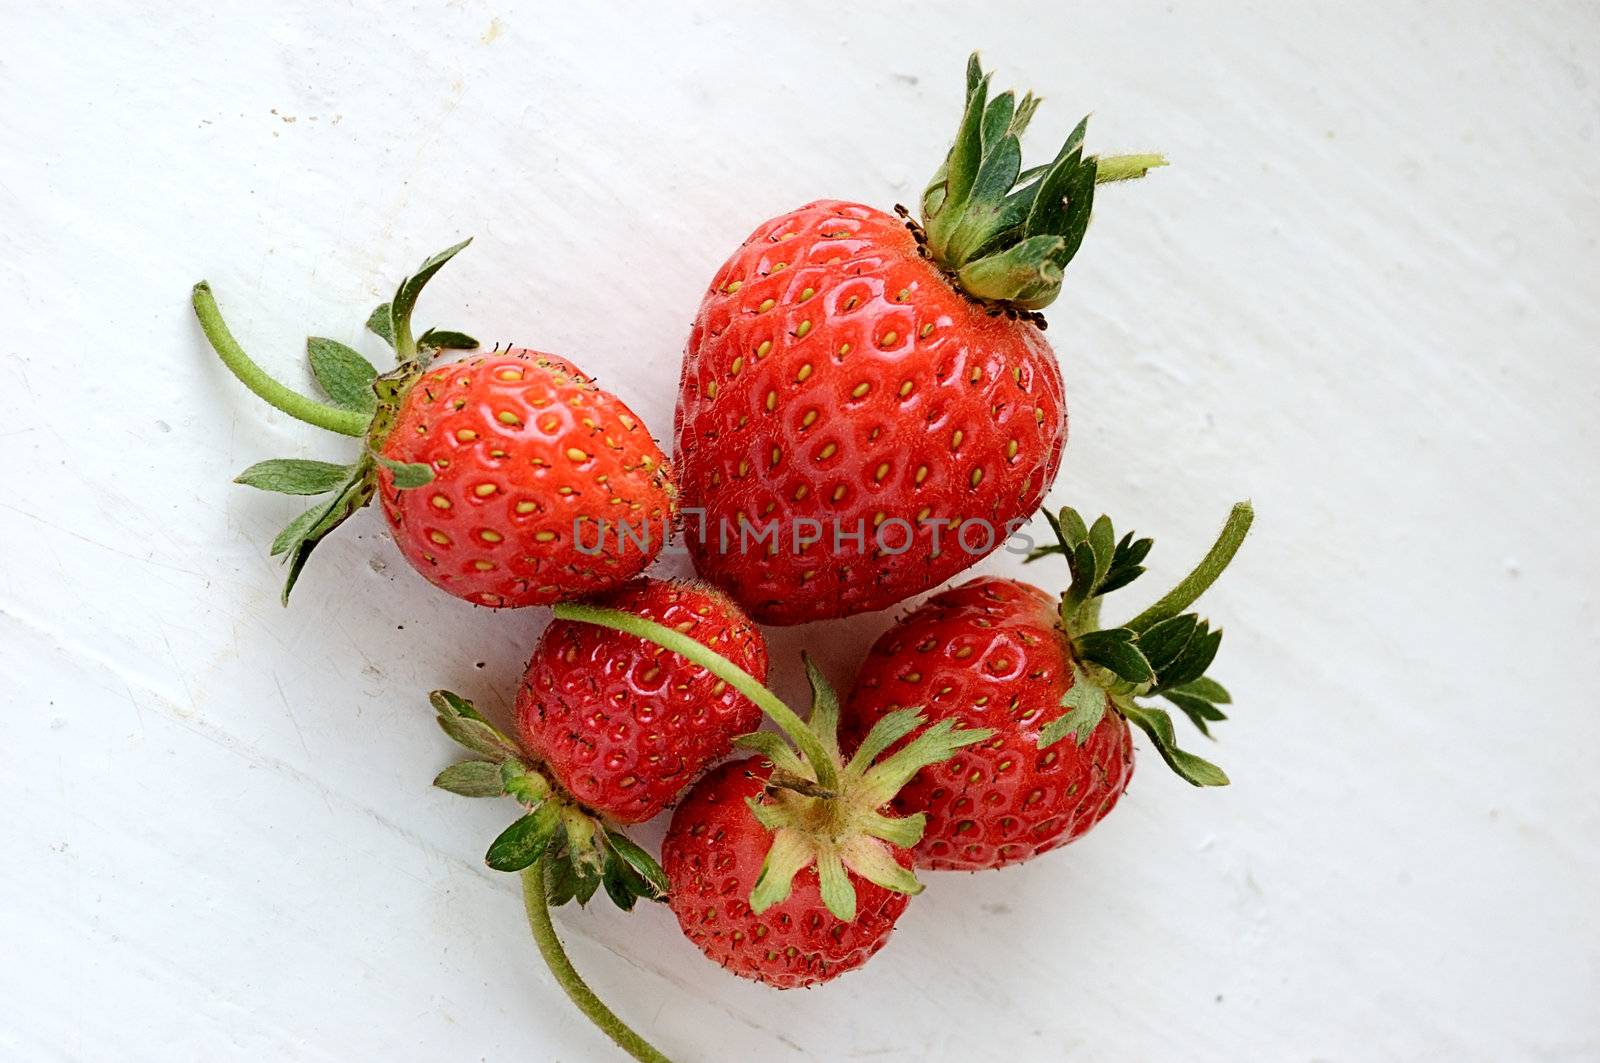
[{"x": 1365, "y": 294}]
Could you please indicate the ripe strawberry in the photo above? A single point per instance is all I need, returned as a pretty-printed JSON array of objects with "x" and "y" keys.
[
  {"x": 535, "y": 471},
  {"x": 1002, "y": 654},
  {"x": 508, "y": 479},
  {"x": 713, "y": 857},
  {"x": 626, "y": 725},
  {"x": 867, "y": 405},
  {"x": 788, "y": 869}
]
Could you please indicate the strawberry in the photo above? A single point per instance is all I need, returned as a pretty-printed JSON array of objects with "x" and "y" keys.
[
  {"x": 713, "y": 857},
  {"x": 1002, "y": 654},
  {"x": 508, "y": 479},
  {"x": 789, "y": 868},
  {"x": 624, "y": 724},
  {"x": 868, "y": 405}
]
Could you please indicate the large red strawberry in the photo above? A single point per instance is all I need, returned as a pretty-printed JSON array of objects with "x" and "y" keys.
[
  {"x": 868, "y": 405},
  {"x": 509, "y": 479},
  {"x": 1003, "y": 654},
  {"x": 626, "y": 725},
  {"x": 790, "y": 868}
]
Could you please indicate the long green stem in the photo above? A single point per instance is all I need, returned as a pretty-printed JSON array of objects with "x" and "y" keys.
[
  {"x": 719, "y": 666},
  {"x": 555, "y": 957},
  {"x": 252, "y": 376},
  {"x": 1125, "y": 167},
  {"x": 1205, "y": 573}
]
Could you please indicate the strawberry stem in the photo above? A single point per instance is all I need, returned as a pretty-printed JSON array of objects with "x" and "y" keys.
[
  {"x": 252, "y": 376},
  {"x": 1205, "y": 573},
  {"x": 712, "y": 661},
  {"x": 1110, "y": 168},
  {"x": 555, "y": 957}
]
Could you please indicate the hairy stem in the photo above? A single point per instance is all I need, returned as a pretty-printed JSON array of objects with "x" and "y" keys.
[
  {"x": 555, "y": 957},
  {"x": 1205, "y": 573},
  {"x": 719, "y": 666},
  {"x": 252, "y": 376},
  {"x": 1125, "y": 167}
]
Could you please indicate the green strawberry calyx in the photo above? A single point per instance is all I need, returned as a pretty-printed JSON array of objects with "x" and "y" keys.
[
  {"x": 1163, "y": 652},
  {"x": 1005, "y": 234},
  {"x": 361, "y": 402},
  {"x": 824, "y": 810},
  {"x": 577, "y": 850},
  {"x": 563, "y": 851}
]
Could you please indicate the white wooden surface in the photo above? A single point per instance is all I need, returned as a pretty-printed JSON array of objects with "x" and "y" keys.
[{"x": 1365, "y": 294}]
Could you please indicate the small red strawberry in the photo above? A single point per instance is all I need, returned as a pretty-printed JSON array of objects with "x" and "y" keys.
[
  {"x": 790, "y": 869},
  {"x": 626, "y": 725},
  {"x": 508, "y": 479},
  {"x": 713, "y": 856},
  {"x": 1003, "y": 654},
  {"x": 868, "y": 406}
]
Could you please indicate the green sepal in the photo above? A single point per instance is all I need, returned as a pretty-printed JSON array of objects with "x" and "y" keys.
[
  {"x": 1004, "y": 232},
  {"x": 517, "y": 782},
  {"x": 1158, "y": 725},
  {"x": 622, "y": 883},
  {"x": 789, "y": 853},
  {"x": 471, "y": 778},
  {"x": 467, "y": 727},
  {"x": 824, "y": 718},
  {"x": 772, "y": 747},
  {"x": 525, "y": 841},
  {"x": 405, "y": 300},
  {"x": 1116, "y": 649},
  {"x": 304, "y": 533},
  {"x": 295, "y": 476},
  {"x": 344, "y": 376},
  {"x": 560, "y": 882},
  {"x": 406, "y": 475},
  {"x": 1086, "y": 707},
  {"x": 873, "y": 861},
  {"x": 381, "y": 323},
  {"x": 934, "y": 745},
  {"x": 838, "y": 895},
  {"x": 641, "y": 862},
  {"x": 445, "y": 340}
]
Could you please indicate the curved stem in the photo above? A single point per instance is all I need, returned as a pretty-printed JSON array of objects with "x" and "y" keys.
[
  {"x": 719, "y": 666},
  {"x": 555, "y": 957},
  {"x": 252, "y": 376},
  {"x": 1205, "y": 573},
  {"x": 1125, "y": 167}
]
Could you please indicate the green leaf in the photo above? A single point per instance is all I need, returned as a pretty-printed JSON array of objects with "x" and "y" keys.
[
  {"x": 525, "y": 841},
  {"x": 1102, "y": 540},
  {"x": 446, "y": 703},
  {"x": 560, "y": 882},
  {"x": 1163, "y": 643},
  {"x": 381, "y": 323},
  {"x": 1116, "y": 649},
  {"x": 446, "y": 340},
  {"x": 471, "y": 778},
  {"x": 1072, "y": 526},
  {"x": 356, "y": 493},
  {"x": 623, "y": 884},
  {"x": 1201, "y": 712},
  {"x": 406, "y": 475},
  {"x": 295, "y": 530},
  {"x": 642, "y": 862},
  {"x": 1209, "y": 689},
  {"x": 824, "y": 719},
  {"x": 1196, "y": 657},
  {"x": 519, "y": 782},
  {"x": 1158, "y": 725},
  {"x": 295, "y": 476},
  {"x": 774, "y": 747},
  {"x": 1086, "y": 706},
  {"x": 838, "y": 895},
  {"x": 405, "y": 298},
  {"x": 345, "y": 376},
  {"x": 477, "y": 736}
]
